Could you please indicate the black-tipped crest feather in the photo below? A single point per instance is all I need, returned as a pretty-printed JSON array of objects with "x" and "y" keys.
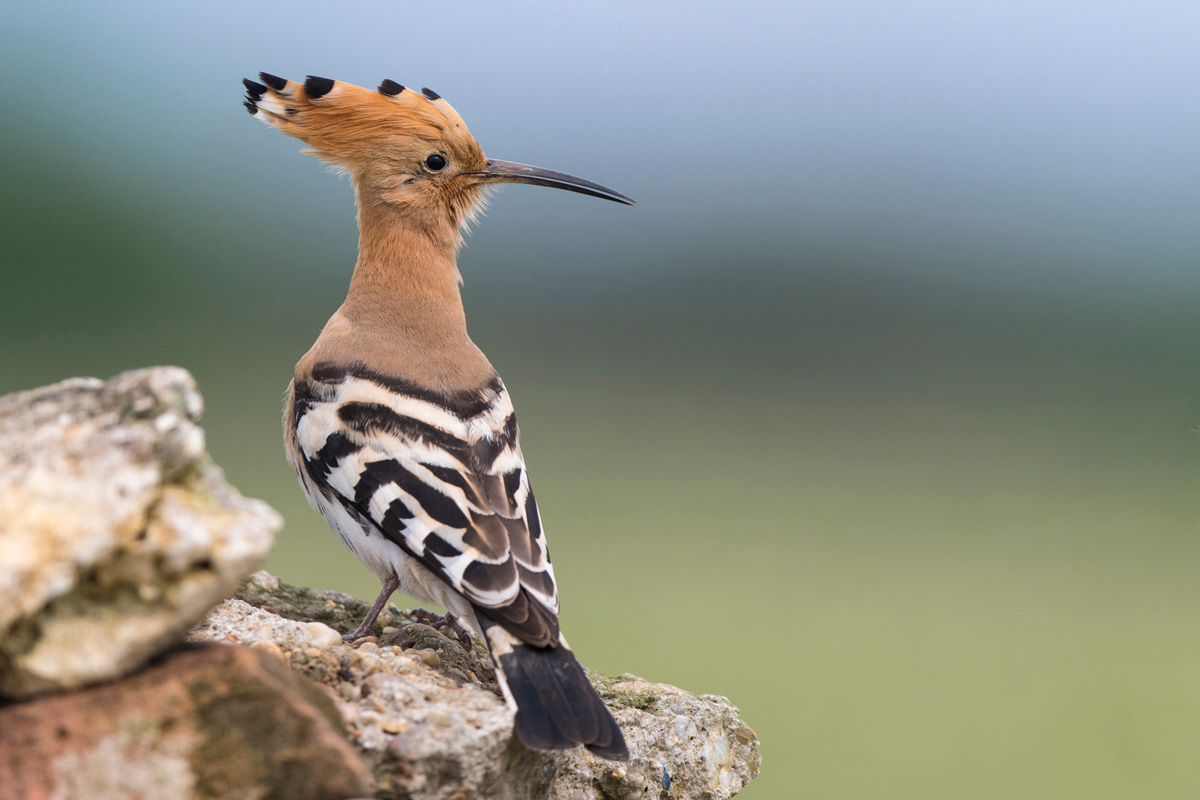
[
  {"x": 315, "y": 87},
  {"x": 255, "y": 90},
  {"x": 390, "y": 88},
  {"x": 274, "y": 81}
]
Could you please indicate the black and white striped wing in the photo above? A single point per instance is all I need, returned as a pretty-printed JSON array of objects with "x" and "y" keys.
[{"x": 440, "y": 476}]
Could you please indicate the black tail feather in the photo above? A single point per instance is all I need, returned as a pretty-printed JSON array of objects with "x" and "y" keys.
[
  {"x": 611, "y": 743},
  {"x": 557, "y": 708}
]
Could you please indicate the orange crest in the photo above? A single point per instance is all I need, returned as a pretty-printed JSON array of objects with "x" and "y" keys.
[{"x": 353, "y": 127}]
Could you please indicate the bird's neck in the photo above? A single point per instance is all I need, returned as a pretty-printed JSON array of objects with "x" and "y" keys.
[
  {"x": 403, "y": 316},
  {"x": 406, "y": 275}
]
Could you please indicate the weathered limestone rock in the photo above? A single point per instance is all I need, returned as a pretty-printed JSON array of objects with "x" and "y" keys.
[
  {"x": 117, "y": 533},
  {"x": 219, "y": 723},
  {"x": 428, "y": 716}
]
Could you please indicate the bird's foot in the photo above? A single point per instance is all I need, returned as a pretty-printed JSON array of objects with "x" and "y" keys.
[
  {"x": 445, "y": 621},
  {"x": 368, "y": 625},
  {"x": 361, "y": 632}
]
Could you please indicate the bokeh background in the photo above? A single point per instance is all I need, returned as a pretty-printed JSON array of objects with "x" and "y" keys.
[{"x": 877, "y": 414}]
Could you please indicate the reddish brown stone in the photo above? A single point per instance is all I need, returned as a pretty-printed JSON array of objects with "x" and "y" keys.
[{"x": 205, "y": 722}]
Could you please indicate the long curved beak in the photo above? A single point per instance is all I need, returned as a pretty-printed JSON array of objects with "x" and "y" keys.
[{"x": 512, "y": 172}]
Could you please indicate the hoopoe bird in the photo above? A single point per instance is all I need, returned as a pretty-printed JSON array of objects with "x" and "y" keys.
[{"x": 401, "y": 432}]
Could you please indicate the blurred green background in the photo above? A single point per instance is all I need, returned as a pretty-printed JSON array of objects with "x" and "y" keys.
[{"x": 876, "y": 414}]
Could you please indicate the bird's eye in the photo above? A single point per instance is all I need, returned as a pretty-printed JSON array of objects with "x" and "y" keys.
[{"x": 436, "y": 162}]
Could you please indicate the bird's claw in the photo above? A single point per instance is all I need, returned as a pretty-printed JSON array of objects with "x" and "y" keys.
[
  {"x": 361, "y": 632},
  {"x": 445, "y": 621}
]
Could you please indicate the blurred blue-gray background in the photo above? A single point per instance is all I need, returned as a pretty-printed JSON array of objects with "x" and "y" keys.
[{"x": 876, "y": 414}]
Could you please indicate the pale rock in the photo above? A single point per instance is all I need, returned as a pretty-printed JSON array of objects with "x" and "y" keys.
[
  {"x": 117, "y": 531},
  {"x": 322, "y": 635}
]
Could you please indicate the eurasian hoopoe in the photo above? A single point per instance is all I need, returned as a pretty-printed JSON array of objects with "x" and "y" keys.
[{"x": 401, "y": 432}]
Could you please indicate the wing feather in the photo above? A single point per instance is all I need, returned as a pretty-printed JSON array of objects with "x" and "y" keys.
[{"x": 442, "y": 478}]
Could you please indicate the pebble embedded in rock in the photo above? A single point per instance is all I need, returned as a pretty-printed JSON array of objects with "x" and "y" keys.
[
  {"x": 271, "y": 648},
  {"x": 428, "y": 656},
  {"x": 392, "y": 726},
  {"x": 323, "y": 635}
]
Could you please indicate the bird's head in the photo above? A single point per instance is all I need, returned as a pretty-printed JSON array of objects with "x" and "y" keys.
[{"x": 407, "y": 150}]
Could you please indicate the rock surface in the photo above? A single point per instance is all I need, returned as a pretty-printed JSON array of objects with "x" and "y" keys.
[
  {"x": 429, "y": 719},
  {"x": 220, "y": 723},
  {"x": 117, "y": 531}
]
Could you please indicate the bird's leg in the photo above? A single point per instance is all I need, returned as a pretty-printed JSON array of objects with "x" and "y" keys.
[
  {"x": 448, "y": 621},
  {"x": 368, "y": 624}
]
